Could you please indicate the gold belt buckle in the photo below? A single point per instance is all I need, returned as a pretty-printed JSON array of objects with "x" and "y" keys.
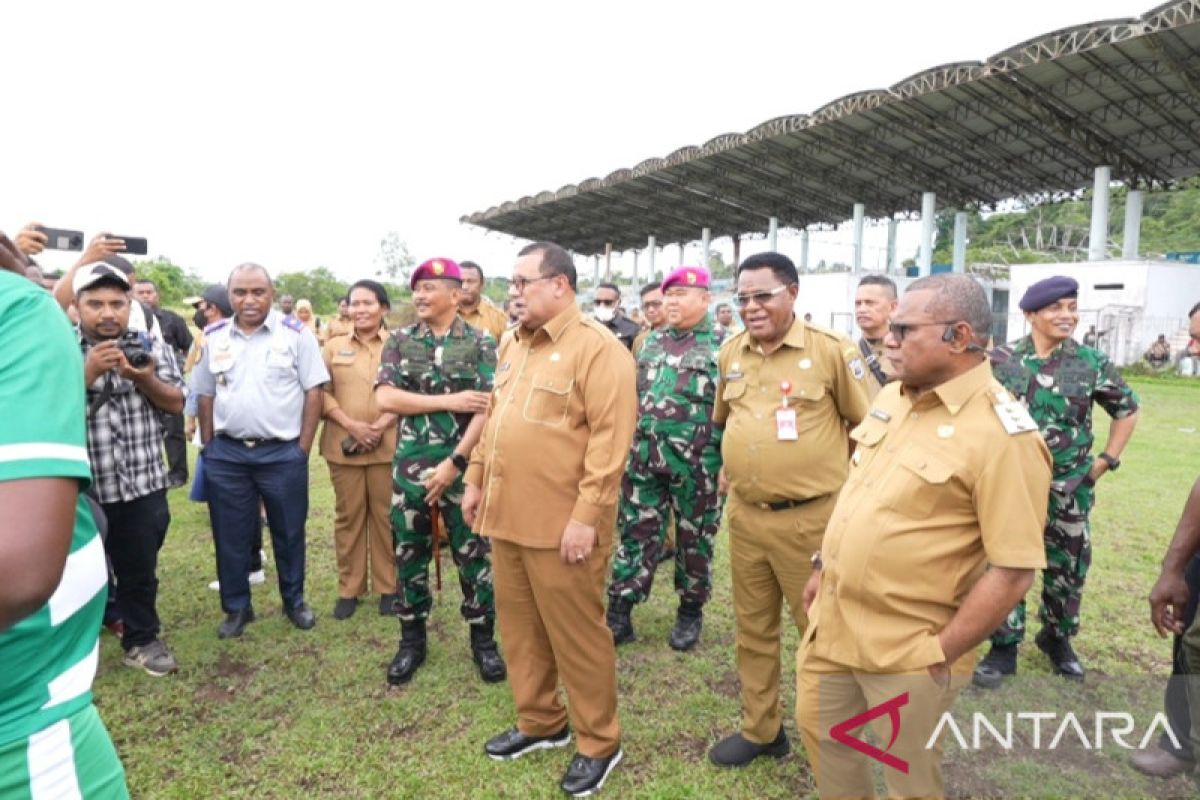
[
  {"x": 251, "y": 443},
  {"x": 765, "y": 506}
]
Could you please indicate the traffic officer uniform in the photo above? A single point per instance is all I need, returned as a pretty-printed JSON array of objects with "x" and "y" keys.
[
  {"x": 939, "y": 488},
  {"x": 258, "y": 382},
  {"x": 673, "y": 466},
  {"x": 561, "y": 421},
  {"x": 783, "y": 484},
  {"x": 1059, "y": 391},
  {"x": 486, "y": 317}
]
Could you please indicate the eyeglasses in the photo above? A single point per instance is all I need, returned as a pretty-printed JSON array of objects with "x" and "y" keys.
[
  {"x": 519, "y": 283},
  {"x": 899, "y": 330},
  {"x": 761, "y": 298}
]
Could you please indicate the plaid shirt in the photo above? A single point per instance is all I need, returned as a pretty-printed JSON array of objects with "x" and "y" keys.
[{"x": 124, "y": 436}]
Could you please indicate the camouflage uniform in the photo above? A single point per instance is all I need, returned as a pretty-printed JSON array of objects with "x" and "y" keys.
[
  {"x": 1059, "y": 391},
  {"x": 418, "y": 361},
  {"x": 673, "y": 465}
]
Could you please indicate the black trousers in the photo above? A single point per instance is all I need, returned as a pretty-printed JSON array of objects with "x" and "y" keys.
[
  {"x": 175, "y": 444},
  {"x": 136, "y": 530},
  {"x": 1175, "y": 701}
]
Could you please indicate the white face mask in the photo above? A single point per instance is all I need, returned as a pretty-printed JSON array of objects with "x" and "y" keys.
[{"x": 604, "y": 313}]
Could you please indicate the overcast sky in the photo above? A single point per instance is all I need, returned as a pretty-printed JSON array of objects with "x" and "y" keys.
[{"x": 298, "y": 134}]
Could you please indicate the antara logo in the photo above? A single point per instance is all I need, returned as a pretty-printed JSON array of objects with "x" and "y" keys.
[{"x": 841, "y": 732}]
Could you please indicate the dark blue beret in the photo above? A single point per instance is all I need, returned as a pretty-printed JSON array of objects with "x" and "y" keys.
[{"x": 1048, "y": 291}]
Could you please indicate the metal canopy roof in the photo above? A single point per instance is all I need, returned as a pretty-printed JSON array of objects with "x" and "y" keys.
[{"x": 1033, "y": 119}]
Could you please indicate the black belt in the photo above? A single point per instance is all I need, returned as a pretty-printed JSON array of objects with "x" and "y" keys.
[
  {"x": 784, "y": 505},
  {"x": 249, "y": 441}
]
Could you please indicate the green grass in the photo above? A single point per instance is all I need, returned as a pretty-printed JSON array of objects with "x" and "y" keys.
[{"x": 282, "y": 713}]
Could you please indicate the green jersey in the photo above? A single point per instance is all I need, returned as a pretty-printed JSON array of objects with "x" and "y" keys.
[{"x": 48, "y": 658}]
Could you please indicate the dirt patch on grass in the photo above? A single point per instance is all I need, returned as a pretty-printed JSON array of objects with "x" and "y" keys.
[{"x": 726, "y": 684}]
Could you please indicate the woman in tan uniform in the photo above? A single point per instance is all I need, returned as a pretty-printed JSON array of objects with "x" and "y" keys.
[{"x": 358, "y": 443}]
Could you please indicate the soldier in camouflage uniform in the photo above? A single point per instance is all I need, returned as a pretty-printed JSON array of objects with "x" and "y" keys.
[
  {"x": 673, "y": 463},
  {"x": 1058, "y": 380},
  {"x": 437, "y": 375}
]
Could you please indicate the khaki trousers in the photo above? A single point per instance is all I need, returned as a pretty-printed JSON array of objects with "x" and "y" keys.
[
  {"x": 828, "y": 694},
  {"x": 363, "y": 502},
  {"x": 551, "y": 619},
  {"x": 771, "y": 553}
]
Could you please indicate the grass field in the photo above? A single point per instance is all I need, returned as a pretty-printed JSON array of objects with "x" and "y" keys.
[{"x": 282, "y": 713}]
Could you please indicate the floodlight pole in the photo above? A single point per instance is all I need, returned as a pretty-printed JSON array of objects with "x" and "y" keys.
[
  {"x": 1098, "y": 238},
  {"x": 960, "y": 241},
  {"x": 1133, "y": 224},
  {"x": 925, "y": 254},
  {"x": 859, "y": 211}
]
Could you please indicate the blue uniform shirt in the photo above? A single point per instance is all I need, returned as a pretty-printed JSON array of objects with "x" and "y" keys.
[{"x": 259, "y": 379}]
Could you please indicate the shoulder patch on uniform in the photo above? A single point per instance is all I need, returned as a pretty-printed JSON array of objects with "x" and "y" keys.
[
  {"x": 216, "y": 326},
  {"x": 1012, "y": 413},
  {"x": 293, "y": 323},
  {"x": 858, "y": 369}
]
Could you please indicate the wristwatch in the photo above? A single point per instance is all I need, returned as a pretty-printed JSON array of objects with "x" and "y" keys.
[
  {"x": 459, "y": 461},
  {"x": 1113, "y": 462}
]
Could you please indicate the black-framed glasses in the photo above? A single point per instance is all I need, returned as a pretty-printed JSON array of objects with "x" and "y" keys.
[
  {"x": 519, "y": 283},
  {"x": 761, "y": 298},
  {"x": 899, "y": 330}
]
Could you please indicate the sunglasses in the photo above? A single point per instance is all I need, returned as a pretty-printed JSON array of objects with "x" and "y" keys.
[
  {"x": 899, "y": 330},
  {"x": 761, "y": 298}
]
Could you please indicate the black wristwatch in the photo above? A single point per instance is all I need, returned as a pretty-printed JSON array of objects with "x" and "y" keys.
[
  {"x": 459, "y": 461},
  {"x": 1113, "y": 462}
]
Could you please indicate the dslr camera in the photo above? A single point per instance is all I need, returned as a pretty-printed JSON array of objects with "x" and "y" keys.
[{"x": 136, "y": 348}]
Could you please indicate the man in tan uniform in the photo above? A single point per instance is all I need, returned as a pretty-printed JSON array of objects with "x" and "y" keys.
[
  {"x": 564, "y": 391},
  {"x": 949, "y": 477},
  {"x": 786, "y": 392},
  {"x": 474, "y": 307},
  {"x": 874, "y": 304}
]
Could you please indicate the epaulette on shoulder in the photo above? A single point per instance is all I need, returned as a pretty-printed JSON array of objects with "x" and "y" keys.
[
  {"x": 293, "y": 323},
  {"x": 739, "y": 337},
  {"x": 216, "y": 326},
  {"x": 829, "y": 332}
]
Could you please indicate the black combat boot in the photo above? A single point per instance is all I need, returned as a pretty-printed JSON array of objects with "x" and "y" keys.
[
  {"x": 1062, "y": 655},
  {"x": 619, "y": 621},
  {"x": 410, "y": 655},
  {"x": 688, "y": 622},
  {"x": 487, "y": 657},
  {"x": 1000, "y": 662}
]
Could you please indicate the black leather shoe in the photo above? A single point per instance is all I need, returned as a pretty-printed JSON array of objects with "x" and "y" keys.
[
  {"x": 486, "y": 655},
  {"x": 738, "y": 751},
  {"x": 514, "y": 744},
  {"x": 619, "y": 620},
  {"x": 411, "y": 654},
  {"x": 1000, "y": 661},
  {"x": 235, "y": 623},
  {"x": 301, "y": 616},
  {"x": 688, "y": 622},
  {"x": 586, "y": 775},
  {"x": 387, "y": 605},
  {"x": 345, "y": 607},
  {"x": 1061, "y": 654}
]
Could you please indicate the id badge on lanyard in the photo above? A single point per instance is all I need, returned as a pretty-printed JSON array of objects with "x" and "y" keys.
[{"x": 785, "y": 418}]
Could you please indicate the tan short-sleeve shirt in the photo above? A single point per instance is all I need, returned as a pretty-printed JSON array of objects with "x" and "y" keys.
[
  {"x": 938, "y": 489},
  {"x": 353, "y": 365},
  {"x": 488, "y": 318},
  {"x": 562, "y": 416},
  {"x": 828, "y": 390}
]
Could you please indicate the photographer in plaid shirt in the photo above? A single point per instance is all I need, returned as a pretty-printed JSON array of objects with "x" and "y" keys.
[{"x": 129, "y": 378}]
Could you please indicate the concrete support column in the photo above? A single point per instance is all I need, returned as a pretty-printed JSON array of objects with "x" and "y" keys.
[
  {"x": 608, "y": 261},
  {"x": 804, "y": 249},
  {"x": 960, "y": 241},
  {"x": 680, "y": 263},
  {"x": 595, "y": 270},
  {"x": 859, "y": 212},
  {"x": 773, "y": 234},
  {"x": 737, "y": 251},
  {"x": 925, "y": 254},
  {"x": 651, "y": 246},
  {"x": 705, "y": 245},
  {"x": 635, "y": 270},
  {"x": 1133, "y": 224},
  {"x": 1098, "y": 238},
  {"x": 893, "y": 264}
]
